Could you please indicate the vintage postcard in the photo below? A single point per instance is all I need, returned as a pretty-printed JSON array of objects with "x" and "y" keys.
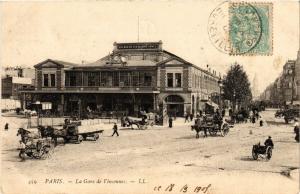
[{"x": 150, "y": 97}]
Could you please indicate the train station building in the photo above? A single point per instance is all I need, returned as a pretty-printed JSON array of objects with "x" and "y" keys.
[{"x": 139, "y": 76}]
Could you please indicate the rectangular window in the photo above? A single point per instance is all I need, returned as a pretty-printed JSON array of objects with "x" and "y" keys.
[
  {"x": 170, "y": 80},
  {"x": 125, "y": 78},
  {"x": 178, "y": 80},
  {"x": 106, "y": 79},
  {"x": 135, "y": 78},
  {"x": 93, "y": 78},
  {"x": 116, "y": 78},
  {"x": 52, "y": 78},
  {"x": 46, "y": 80},
  {"x": 147, "y": 79},
  {"x": 73, "y": 80}
]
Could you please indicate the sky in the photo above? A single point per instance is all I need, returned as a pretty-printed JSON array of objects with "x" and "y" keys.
[{"x": 31, "y": 32}]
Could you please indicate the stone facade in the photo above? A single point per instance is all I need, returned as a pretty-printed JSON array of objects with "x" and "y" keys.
[{"x": 143, "y": 75}]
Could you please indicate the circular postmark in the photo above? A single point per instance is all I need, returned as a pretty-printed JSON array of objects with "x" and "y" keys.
[
  {"x": 218, "y": 27},
  {"x": 234, "y": 28}
]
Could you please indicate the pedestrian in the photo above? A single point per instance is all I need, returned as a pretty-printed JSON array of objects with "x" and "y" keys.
[
  {"x": 191, "y": 117},
  {"x": 115, "y": 129},
  {"x": 6, "y": 126},
  {"x": 253, "y": 119},
  {"x": 257, "y": 115},
  {"x": 261, "y": 123},
  {"x": 296, "y": 130},
  {"x": 269, "y": 142},
  {"x": 170, "y": 122},
  {"x": 204, "y": 121},
  {"x": 186, "y": 117}
]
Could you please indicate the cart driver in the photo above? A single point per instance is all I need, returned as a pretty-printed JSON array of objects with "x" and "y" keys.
[
  {"x": 217, "y": 118},
  {"x": 269, "y": 142}
]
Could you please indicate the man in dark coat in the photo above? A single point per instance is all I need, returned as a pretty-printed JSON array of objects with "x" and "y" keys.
[
  {"x": 186, "y": 117},
  {"x": 296, "y": 130},
  {"x": 6, "y": 126},
  {"x": 269, "y": 142},
  {"x": 170, "y": 122},
  {"x": 115, "y": 129},
  {"x": 191, "y": 117}
]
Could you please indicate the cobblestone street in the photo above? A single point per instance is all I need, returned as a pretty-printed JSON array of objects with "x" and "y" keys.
[{"x": 160, "y": 155}]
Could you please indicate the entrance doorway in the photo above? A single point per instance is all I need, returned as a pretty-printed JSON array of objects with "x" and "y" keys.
[{"x": 175, "y": 105}]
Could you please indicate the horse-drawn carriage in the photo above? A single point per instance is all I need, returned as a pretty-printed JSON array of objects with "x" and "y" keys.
[
  {"x": 210, "y": 125},
  {"x": 141, "y": 123},
  {"x": 288, "y": 114},
  {"x": 69, "y": 132},
  {"x": 33, "y": 146},
  {"x": 261, "y": 151}
]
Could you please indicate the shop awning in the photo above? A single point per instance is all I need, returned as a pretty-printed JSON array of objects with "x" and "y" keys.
[{"x": 210, "y": 103}]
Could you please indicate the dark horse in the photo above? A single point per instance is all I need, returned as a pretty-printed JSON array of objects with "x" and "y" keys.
[
  {"x": 198, "y": 129},
  {"x": 26, "y": 135},
  {"x": 48, "y": 132}
]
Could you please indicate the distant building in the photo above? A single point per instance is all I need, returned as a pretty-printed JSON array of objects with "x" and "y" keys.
[
  {"x": 135, "y": 77},
  {"x": 15, "y": 79},
  {"x": 286, "y": 88},
  {"x": 11, "y": 86}
]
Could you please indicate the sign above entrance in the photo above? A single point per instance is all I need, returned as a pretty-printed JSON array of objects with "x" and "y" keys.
[{"x": 138, "y": 46}]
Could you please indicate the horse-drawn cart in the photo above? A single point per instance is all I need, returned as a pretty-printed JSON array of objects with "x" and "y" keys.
[
  {"x": 141, "y": 123},
  {"x": 33, "y": 146},
  {"x": 69, "y": 132},
  {"x": 212, "y": 127}
]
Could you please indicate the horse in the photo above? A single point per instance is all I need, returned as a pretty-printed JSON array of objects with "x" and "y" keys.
[
  {"x": 49, "y": 132},
  {"x": 240, "y": 118},
  {"x": 198, "y": 129},
  {"x": 27, "y": 135}
]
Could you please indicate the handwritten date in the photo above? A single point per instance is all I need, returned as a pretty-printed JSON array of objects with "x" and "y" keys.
[{"x": 184, "y": 189}]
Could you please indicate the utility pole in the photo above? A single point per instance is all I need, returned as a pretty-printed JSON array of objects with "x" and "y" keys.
[{"x": 138, "y": 38}]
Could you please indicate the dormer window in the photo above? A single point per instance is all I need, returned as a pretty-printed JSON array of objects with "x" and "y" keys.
[{"x": 49, "y": 80}]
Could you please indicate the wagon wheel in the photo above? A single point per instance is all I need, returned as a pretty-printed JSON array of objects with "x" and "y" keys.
[
  {"x": 212, "y": 131},
  {"x": 46, "y": 152},
  {"x": 79, "y": 139},
  {"x": 38, "y": 154},
  {"x": 269, "y": 153},
  {"x": 254, "y": 154},
  {"x": 22, "y": 155},
  {"x": 96, "y": 136},
  {"x": 224, "y": 130},
  {"x": 152, "y": 124},
  {"x": 66, "y": 140}
]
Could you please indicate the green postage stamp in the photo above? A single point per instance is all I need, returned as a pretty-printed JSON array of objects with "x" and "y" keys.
[{"x": 250, "y": 28}]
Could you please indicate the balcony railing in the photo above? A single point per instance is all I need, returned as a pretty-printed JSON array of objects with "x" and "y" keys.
[{"x": 112, "y": 88}]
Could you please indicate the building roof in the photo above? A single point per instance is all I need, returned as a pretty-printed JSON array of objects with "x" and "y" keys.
[
  {"x": 56, "y": 62},
  {"x": 128, "y": 63},
  {"x": 121, "y": 49}
]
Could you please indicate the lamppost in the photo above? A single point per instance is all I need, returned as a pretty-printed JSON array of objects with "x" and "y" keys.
[
  {"x": 220, "y": 83},
  {"x": 233, "y": 101}
]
